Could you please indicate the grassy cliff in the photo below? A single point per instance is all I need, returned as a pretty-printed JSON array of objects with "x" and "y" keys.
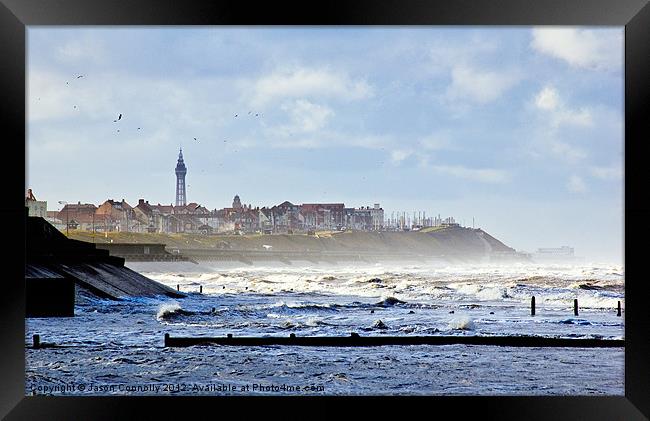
[{"x": 447, "y": 241}]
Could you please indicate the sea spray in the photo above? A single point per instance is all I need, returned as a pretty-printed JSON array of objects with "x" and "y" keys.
[
  {"x": 461, "y": 323},
  {"x": 167, "y": 309}
]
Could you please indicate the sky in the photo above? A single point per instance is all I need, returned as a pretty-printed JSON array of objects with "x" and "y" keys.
[{"x": 519, "y": 129}]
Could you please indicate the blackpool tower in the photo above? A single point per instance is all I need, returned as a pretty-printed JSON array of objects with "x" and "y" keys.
[{"x": 181, "y": 170}]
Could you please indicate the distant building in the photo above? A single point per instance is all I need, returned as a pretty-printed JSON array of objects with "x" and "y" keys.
[
  {"x": 556, "y": 251},
  {"x": 53, "y": 218},
  {"x": 285, "y": 217},
  {"x": 564, "y": 254},
  {"x": 265, "y": 220},
  {"x": 191, "y": 217},
  {"x": 323, "y": 215},
  {"x": 83, "y": 215},
  {"x": 449, "y": 222},
  {"x": 115, "y": 216},
  {"x": 147, "y": 219},
  {"x": 236, "y": 203},
  {"x": 36, "y": 207},
  {"x": 366, "y": 218},
  {"x": 377, "y": 217}
]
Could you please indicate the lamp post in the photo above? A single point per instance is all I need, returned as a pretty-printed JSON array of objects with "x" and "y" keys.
[{"x": 67, "y": 216}]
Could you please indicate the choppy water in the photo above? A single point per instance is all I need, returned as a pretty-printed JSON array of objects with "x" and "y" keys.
[{"x": 117, "y": 347}]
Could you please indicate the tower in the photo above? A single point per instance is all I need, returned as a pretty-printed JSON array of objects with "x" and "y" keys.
[
  {"x": 181, "y": 170},
  {"x": 236, "y": 203}
]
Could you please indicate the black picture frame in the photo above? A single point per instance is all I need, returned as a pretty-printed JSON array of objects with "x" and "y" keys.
[{"x": 16, "y": 15}]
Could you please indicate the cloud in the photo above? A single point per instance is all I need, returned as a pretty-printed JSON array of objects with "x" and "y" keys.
[
  {"x": 283, "y": 137},
  {"x": 548, "y": 100},
  {"x": 483, "y": 175},
  {"x": 576, "y": 184},
  {"x": 306, "y": 82},
  {"x": 443, "y": 52},
  {"x": 306, "y": 116},
  {"x": 82, "y": 50},
  {"x": 479, "y": 86},
  {"x": 566, "y": 152},
  {"x": 436, "y": 141},
  {"x": 607, "y": 173},
  {"x": 399, "y": 155},
  {"x": 583, "y": 48}
]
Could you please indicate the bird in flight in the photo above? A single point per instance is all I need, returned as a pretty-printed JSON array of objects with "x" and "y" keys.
[
  {"x": 118, "y": 118},
  {"x": 235, "y": 115},
  {"x": 80, "y": 76},
  {"x": 194, "y": 138}
]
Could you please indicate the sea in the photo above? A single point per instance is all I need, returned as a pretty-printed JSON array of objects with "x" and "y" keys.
[{"x": 117, "y": 347}]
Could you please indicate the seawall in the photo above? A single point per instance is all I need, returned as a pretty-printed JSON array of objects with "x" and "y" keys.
[{"x": 57, "y": 268}]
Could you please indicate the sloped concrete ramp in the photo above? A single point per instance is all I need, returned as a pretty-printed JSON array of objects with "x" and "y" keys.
[
  {"x": 51, "y": 255},
  {"x": 115, "y": 282}
]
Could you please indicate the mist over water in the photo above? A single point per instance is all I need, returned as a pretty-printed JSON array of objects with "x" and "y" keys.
[{"x": 113, "y": 342}]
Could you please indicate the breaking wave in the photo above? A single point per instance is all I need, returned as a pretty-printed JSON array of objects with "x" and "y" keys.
[
  {"x": 462, "y": 323},
  {"x": 170, "y": 310}
]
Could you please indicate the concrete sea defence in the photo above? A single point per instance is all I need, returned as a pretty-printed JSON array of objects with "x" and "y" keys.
[{"x": 57, "y": 269}]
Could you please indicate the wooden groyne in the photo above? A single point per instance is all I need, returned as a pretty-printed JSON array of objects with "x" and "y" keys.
[{"x": 355, "y": 340}]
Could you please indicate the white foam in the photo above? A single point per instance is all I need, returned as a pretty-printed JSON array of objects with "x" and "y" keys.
[
  {"x": 166, "y": 309},
  {"x": 462, "y": 322},
  {"x": 554, "y": 284}
]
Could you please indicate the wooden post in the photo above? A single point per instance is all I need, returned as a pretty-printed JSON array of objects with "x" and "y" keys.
[
  {"x": 178, "y": 287},
  {"x": 37, "y": 341},
  {"x": 575, "y": 307},
  {"x": 230, "y": 336},
  {"x": 166, "y": 338},
  {"x": 619, "y": 309},
  {"x": 200, "y": 289},
  {"x": 532, "y": 306}
]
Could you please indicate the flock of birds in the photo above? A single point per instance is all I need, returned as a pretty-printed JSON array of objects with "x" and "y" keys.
[{"x": 119, "y": 117}]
